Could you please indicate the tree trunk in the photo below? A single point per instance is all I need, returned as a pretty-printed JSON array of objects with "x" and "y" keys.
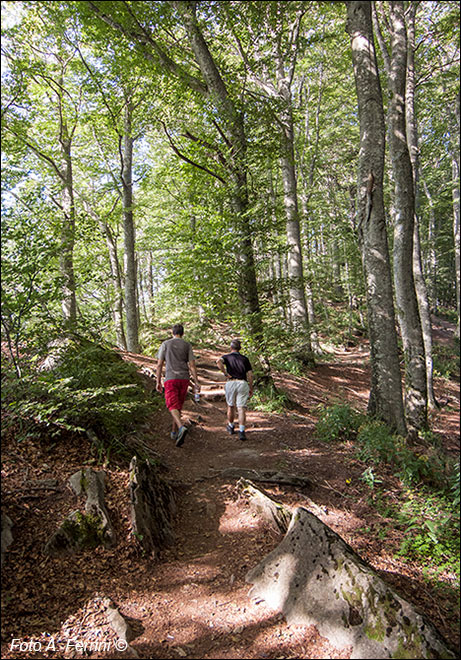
[
  {"x": 407, "y": 304},
  {"x": 117, "y": 305},
  {"x": 455, "y": 195},
  {"x": 431, "y": 258},
  {"x": 132, "y": 339},
  {"x": 69, "y": 302},
  {"x": 117, "y": 292},
  {"x": 386, "y": 390},
  {"x": 150, "y": 279},
  {"x": 295, "y": 262},
  {"x": 297, "y": 301},
  {"x": 413, "y": 146}
]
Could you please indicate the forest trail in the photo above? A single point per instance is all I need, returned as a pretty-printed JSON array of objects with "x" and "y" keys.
[{"x": 193, "y": 602}]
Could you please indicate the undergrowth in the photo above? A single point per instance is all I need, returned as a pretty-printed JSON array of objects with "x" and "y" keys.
[
  {"x": 89, "y": 388},
  {"x": 428, "y": 506},
  {"x": 270, "y": 400}
]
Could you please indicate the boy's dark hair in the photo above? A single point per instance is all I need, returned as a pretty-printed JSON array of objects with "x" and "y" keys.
[
  {"x": 236, "y": 345},
  {"x": 178, "y": 329}
]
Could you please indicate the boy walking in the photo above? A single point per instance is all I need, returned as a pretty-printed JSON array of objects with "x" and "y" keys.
[
  {"x": 239, "y": 385},
  {"x": 178, "y": 357}
]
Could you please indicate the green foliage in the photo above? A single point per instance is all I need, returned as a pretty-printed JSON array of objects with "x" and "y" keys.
[
  {"x": 90, "y": 388},
  {"x": 428, "y": 510},
  {"x": 375, "y": 443},
  {"x": 270, "y": 400},
  {"x": 342, "y": 325},
  {"x": 338, "y": 422},
  {"x": 446, "y": 360},
  {"x": 370, "y": 478},
  {"x": 432, "y": 530}
]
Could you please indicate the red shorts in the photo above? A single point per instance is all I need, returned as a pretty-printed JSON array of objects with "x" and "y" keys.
[{"x": 175, "y": 393}]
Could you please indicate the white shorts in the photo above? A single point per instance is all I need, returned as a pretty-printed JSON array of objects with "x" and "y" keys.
[{"x": 237, "y": 393}]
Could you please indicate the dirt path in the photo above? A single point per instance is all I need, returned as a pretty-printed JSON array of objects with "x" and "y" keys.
[
  {"x": 202, "y": 581},
  {"x": 194, "y": 602}
]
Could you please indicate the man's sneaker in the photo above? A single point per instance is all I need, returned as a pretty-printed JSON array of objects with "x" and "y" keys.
[
  {"x": 230, "y": 429},
  {"x": 242, "y": 435},
  {"x": 181, "y": 435},
  {"x": 173, "y": 435}
]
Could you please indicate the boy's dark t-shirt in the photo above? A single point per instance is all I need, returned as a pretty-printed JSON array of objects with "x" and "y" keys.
[{"x": 237, "y": 365}]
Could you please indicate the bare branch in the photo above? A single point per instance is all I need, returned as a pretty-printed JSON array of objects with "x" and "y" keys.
[{"x": 186, "y": 158}]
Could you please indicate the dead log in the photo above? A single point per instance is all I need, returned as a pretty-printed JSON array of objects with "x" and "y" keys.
[
  {"x": 152, "y": 507},
  {"x": 315, "y": 578},
  {"x": 267, "y": 476}
]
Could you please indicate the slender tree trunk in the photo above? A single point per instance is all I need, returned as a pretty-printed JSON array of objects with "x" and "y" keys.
[
  {"x": 307, "y": 172},
  {"x": 386, "y": 390},
  {"x": 116, "y": 292},
  {"x": 117, "y": 306},
  {"x": 455, "y": 195},
  {"x": 413, "y": 146},
  {"x": 407, "y": 304},
  {"x": 69, "y": 302},
  {"x": 151, "y": 293},
  {"x": 298, "y": 307},
  {"x": 142, "y": 295},
  {"x": 315, "y": 343},
  {"x": 431, "y": 259},
  {"x": 132, "y": 339},
  {"x": 295, "y": 260}
]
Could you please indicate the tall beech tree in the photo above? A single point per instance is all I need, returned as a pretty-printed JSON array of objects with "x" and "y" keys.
[
  {"x": 282, "y": 23},
  {"x": 48, "y": 70},
  {"x": 413, "y": 146},
  {"x": 126, "y": 176},
  {"x": 404, "y": 222},
  {"x": 386, "y": 390}
]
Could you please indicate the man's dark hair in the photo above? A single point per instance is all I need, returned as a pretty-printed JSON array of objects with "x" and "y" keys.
[
  {"x": 236, "y": 345},
  {"x": 178, "y": 329}
]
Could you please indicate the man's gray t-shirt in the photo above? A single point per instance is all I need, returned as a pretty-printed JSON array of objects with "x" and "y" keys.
[{"x": 177, "y": 353}]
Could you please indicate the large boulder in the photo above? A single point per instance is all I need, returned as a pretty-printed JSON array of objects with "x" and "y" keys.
[{"x": 315, "y": 578}]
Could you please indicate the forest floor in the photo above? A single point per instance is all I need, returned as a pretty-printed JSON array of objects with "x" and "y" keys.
[{"x": 193, "y": 601}]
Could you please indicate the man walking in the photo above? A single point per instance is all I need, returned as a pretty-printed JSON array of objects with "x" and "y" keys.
[
  {"x": 178, "y": 357},
  {"x": 239, "y": 385}
]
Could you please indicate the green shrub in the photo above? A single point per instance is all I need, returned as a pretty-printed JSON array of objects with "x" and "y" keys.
[
  {"x": 446, "y": 360},
  {"x": 90, "y": 388},
  {"x": 270, "y": 400},
  {"x": 338, "y": 422},
  {"x": 431, "y": 530},
  {"x": 375, "y": 443}
]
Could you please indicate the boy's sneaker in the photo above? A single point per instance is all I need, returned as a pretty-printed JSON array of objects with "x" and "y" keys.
[
  {"x": 181, "y": 435},
  {"x": 230, "y": 429},
  {"x": 242, "y": 435},
  {"x": 173, "y": 435}
]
